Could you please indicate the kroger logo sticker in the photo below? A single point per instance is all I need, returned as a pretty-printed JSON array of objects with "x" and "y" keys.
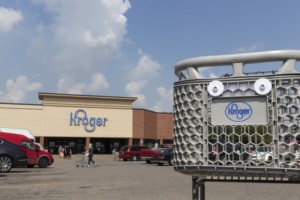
[{"x": 238, "y": 111}]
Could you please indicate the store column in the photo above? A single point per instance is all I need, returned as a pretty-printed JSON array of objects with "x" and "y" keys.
[
  {"x": 42, "y": 141},
  {"x": 161, "y": 141}
]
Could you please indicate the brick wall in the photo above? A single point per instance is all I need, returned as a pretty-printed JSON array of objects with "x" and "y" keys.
[{"x": 152, "y": 125}]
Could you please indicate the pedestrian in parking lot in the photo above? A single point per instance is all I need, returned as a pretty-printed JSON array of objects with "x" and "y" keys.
[
  {"x": 68, "y": 153},
  {"x": 61, "y": 152},
  {"x": 90, "y": 156}
]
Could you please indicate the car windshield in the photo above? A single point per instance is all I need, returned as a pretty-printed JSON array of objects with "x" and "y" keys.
[
  {"x": 164, "y": 146},
  {"x": 262, "y": 149},
  {"x": 124, "y": 149},
  {"x": 167, "y": 151}
]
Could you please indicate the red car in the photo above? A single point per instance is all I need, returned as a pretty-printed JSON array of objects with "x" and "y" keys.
[
  {"x": 131, "y": 152},
  {"x": 35, "y": 156},
  {"x": 147, "y": 154}
]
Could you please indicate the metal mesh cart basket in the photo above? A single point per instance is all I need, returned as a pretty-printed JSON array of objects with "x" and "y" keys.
[
  {"x": 239, "y": 126},
  {"x": 80, "y": 160},
  {"x": 115, "y": 154}
]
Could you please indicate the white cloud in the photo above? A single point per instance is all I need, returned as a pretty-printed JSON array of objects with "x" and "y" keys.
[
  {"x": 68, "y": 85},
  {"x": 98, "y": 83},
  {"x": 164, "y": 104},
  {"x": 212, "y": 75},
  {"x": 146, "y": 67},
  {"x": 134, "y": 89},
  {"x": 255, "y": 47},
  {"x": 91, "y": 41},
  {"x": 8, "y": 18},
  {"x": 16, "y": 91},
  {"x": 79, "y": 36},
  {"x": 145, "y": 70},
  {"x": 205, "y": 73}
]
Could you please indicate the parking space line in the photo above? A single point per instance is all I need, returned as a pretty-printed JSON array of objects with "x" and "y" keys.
[
  {"x": 36, "y": 185},
  {"x": 33, "y": 176}
]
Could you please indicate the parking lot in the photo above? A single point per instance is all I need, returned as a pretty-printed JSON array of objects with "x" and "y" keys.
[{"x": 120, "y": 180}]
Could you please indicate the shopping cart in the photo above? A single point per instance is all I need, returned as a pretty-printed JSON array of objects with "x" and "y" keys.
[
  {"x": 115, "y": 155},
  {"x": 80, "y": 161}
]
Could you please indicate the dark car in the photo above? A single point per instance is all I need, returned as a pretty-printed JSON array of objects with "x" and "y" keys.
[
  {"x": 11, "y": 155},
  {"x": 221, "y": 150},
  {"x": 167, "y": 157},
  {"x": 131, "y": 152}
]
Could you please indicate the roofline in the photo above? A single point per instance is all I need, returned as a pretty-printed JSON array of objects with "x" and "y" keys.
[
  {"x": 77, "y": 96},
  {"x": 152, "y": 111},
  {"x": 22, "y": 104}
]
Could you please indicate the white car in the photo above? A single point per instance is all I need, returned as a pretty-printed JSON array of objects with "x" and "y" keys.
[
  {"x": 40, "y": 146},
  {"x": 262, "y": 154}
]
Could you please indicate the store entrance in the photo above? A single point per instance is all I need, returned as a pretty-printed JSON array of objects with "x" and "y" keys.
[
  {"x": 107, "y": 145},
  {"x": 77, "y": 145}
]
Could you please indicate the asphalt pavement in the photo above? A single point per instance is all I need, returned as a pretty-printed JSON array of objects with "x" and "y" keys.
[{"x": 125, "y": 180}]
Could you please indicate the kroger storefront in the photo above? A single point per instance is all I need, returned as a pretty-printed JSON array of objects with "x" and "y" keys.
[{"x": 74, "y": 120}]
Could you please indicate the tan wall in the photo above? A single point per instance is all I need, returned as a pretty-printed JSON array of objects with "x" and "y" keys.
[
  {"x": 21, "y": 116},
  {"x": 54, "y": 121},
  {"x": 52, "y": 118}
]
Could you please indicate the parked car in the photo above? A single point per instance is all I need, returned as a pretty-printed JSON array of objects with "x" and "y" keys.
[
  {"x": 35, "y": 156},
  {"x": 39, "y": 146},
  {"x": 11, "y": 155},
  {"x": 225, "y": 151},
  {"x": 131, "y": 152},
  {"x": 147, "y": 154},
  {"x": 167, "y": 157},
  {"x": 262, "y": 153}
]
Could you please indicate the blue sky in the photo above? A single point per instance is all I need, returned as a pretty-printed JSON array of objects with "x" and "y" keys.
[{"x": 129, "y": 48}]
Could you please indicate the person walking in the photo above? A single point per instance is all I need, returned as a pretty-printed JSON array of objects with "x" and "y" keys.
[
  {"x": 68, "y": 152},
  {"x": 61, "y": 152},
  {"x": 91, "y": 156}
]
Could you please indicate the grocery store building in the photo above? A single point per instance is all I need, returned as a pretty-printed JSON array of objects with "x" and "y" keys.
[{"x": 77, "y": 120}]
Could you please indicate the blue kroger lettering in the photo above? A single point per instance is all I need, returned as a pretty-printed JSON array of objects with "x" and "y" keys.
[
  {"x": 238, "y": 111},
  {"x": 92, "y": 122}
]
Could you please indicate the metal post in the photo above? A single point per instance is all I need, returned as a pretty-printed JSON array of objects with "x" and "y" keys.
[
  {"x": 198, "y": 184},
  {"x": 195, "y": 188},
  {"x": 202, "y": 189}
]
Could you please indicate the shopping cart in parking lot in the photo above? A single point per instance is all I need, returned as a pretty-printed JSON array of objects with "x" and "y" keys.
[
  {"x": 80, "y": 160},
  {"x": 115, "y": 154},
  {"x": 239, "y": 127}
]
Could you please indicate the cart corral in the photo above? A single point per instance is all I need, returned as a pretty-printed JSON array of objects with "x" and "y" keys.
[{"x": 239, "y": 127}]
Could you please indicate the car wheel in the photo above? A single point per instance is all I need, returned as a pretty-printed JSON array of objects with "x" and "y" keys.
[
  {"x": 134, "y": 158},
  {"x": 30, "y": 166},
  {"x": 43, "y": 162},
  {"x": 5, "y": 164},
  {"x": 223, "y": 158},
  {"x": 270, "y": 159},
  {"x": 171, "y": 161},
  {"x": 160, "y": 164},
  {"x": 148, "y": 161}
]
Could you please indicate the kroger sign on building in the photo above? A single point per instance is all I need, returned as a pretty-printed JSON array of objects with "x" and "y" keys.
[
  {"x": 239, "y": 111},
  {"x": 80, "y": 117}
]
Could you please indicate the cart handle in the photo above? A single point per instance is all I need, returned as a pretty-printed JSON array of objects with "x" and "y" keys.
[{"x": 289, "y": 58}]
